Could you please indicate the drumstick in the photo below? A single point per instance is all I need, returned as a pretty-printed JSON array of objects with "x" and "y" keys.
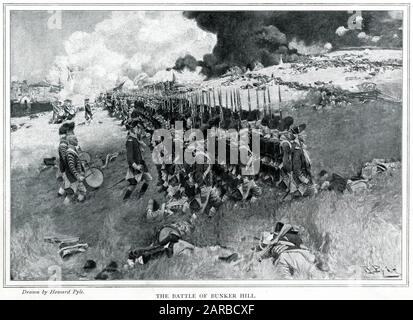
[{"x": 89, "y": 175}]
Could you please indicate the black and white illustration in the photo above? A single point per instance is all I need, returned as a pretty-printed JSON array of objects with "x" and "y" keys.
[{"x": 206, "y": 144}]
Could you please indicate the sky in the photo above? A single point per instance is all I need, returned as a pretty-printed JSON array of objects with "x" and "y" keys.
[
  {"x": 34, "y": 45},
  {"x": 101, "y": 48},
  {"x": 98, "y": 49},
  {"x": 94, "y": 51}
]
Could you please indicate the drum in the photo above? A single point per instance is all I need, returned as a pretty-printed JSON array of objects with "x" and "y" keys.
[
  {"x": 61, "y": 112},
  {"x": 93, "y": 177},
  {"x": 84, "y": 156}
]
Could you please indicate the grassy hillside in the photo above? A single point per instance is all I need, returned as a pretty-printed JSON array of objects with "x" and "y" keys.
[{"x": 361, "y": 229}]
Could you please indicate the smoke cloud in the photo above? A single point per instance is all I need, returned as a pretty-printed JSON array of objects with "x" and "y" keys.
[
  {"x": 246, "y": 37},
  {"x": 126, "y": 47},
  {"x": 188, "y": 62}
]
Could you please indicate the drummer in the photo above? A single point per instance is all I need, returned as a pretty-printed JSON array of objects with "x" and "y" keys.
[
  {"x": 63, "y": 145},
  {"x": 74, "y": 171},
  {"x": 137, "y": 169}
]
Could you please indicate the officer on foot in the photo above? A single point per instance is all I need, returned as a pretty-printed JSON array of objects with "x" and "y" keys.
[
  {"x": 88, "y": 112},
  {"x": 137, "y": 169}
]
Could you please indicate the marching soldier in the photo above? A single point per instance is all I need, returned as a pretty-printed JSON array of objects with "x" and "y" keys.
[
  {"x": 137, "y": 169},
  {"x": 246, "y": 190},
  {"x": 301, "y": 165}
]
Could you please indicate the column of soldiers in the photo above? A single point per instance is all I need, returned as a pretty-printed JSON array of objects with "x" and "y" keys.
[{"x": 202, "y": 188}]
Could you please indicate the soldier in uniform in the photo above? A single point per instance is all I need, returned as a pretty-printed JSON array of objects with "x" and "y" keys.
[
  {"x": 177, "y": 201},
  {"x": 88, "y": 112},
  {"x": 301, "y": 165},
  {"x": 63, "y": 145},
  {"x": 74, "y": 170},
  {"x": 137, "y": 169},
  {"x": 167, "y": 240},
  {"x": 291, "y": 258},
  {"x": 246, "y": 189},
  {"x": 57, "y": 112},
  {"x": 68, "y": 108}
]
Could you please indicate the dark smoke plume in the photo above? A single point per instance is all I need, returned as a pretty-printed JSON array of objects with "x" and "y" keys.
[
  {"x": 247, "y": 37},
  {"x": 188, "y": 62}
]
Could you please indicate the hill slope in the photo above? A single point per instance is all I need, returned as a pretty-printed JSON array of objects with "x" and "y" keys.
[{"x": 362, "y": 229}]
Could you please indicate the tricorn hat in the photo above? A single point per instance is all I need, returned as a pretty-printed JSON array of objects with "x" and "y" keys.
[
  {"x": 280, "y": 225},
  {"x": 70, "y": 126},
  {"x": 286, "y": 123},
  {"x": 299, "y": 129},
  {"x": 62, "y": 129}
]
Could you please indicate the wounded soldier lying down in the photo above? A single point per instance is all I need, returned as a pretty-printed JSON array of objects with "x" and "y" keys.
[
  {"x": 170, "y": 240},
  {"x": 292, "y": 260}
]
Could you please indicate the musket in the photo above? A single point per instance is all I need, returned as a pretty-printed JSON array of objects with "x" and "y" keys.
[
  {"x": 220, "y": 107},
  {"x": 226, "y": 98},
  {"x": 239, "y": 101},
  {"x": 249, "y": 100},
  {"x": 265, "y": 102},
  {"x": 232, "y": 100},
  {"x": 213, "y": 94},
  {"x": 258, "y": 103},
  {"x": 279, "y": 101}
]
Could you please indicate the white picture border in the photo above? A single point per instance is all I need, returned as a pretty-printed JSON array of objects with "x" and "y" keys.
[{"x": 261, "y": 289}]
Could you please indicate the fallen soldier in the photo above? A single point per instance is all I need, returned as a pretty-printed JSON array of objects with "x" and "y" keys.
[
  {"x": 207, "y": 200},
  {"x": 377, "y": 166},
  {"x": 155, "y": 212},
  {"x": 170, "y": 240},
  {"x": 291, "y": 259},
  {"x": 339, "y": 184}
]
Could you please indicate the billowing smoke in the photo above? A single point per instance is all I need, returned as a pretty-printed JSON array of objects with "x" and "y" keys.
[
  {"x": 128, "y": 47},
  {"x": 188, "y": 62},
  {"x": 247, "y": 37}
]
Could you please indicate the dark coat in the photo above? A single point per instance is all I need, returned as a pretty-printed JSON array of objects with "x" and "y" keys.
[
  {"x": 300, "y": 165},
  {"x": 133, "y": 153}
]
